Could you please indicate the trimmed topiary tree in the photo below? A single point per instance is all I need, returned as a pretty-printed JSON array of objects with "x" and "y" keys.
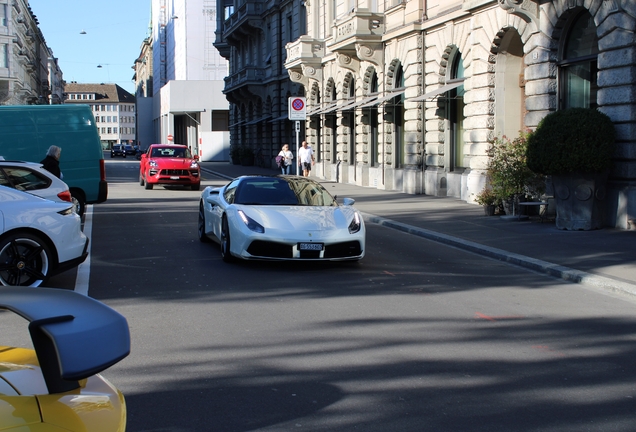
[
  {"x": 573, "y": 140},
  {"x": 575, "y": 147}
]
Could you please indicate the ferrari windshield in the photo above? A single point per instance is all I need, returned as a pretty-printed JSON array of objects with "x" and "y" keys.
[{"x": 282, "y": 191}]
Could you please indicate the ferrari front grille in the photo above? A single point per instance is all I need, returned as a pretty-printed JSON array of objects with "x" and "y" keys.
[
  {"x": 343, "y": 250},
  {"x": 267, "y": 249}
]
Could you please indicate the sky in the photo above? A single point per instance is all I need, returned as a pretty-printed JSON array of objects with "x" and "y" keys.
[{"x": 115, "y": 30}]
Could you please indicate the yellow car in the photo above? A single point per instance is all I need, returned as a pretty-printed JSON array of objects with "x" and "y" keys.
[{"x": 56, "y": 386}]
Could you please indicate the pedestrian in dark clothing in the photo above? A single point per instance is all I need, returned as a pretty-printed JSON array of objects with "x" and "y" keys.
[{"x": 51, "y": 162}]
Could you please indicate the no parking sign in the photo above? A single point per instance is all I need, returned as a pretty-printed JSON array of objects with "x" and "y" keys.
[{"x": 297, "y": 108}]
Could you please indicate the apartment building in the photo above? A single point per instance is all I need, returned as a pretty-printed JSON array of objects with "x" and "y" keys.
[
  {"x": 113, "y": 108},
  {"x": 407, "y": 95},
  {"x": 252, "y": 36},
  {"x": 29, "y": 73}
]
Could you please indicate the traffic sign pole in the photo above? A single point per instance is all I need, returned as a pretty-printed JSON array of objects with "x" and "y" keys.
[
  {"x": 297, "y": 110},
  {"x": 297, "y": 144}
]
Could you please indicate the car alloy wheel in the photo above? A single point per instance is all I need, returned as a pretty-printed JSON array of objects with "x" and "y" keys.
[
  {"x": 201, "y": 225},
  {"x": 25, "y": 260},
  {"x": 225, "y": 241}
]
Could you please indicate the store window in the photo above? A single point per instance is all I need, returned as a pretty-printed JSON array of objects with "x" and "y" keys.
[{"x": 578, "y": 68}]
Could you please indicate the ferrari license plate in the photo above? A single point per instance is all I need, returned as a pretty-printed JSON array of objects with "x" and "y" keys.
[{"x": 310, "y": 246}]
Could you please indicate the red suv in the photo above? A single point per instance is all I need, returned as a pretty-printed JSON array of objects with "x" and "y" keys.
[{"x": 169, "y": 164}]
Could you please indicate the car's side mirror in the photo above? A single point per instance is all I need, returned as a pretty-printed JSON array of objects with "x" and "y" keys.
[
  {"x": 195, "y": 157},
  {"x": 348, "y": 201}
]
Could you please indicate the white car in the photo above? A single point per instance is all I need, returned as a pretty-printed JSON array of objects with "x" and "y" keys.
[
  {"x": 33, "y": 178},
  {"x": 38, "y": 238},
  {"x": 280, "y": 218}
]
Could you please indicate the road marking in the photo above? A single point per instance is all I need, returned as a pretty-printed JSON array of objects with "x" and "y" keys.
[
  {"x": 84, "y": 269},
  {"x": 495, "y": 318}
]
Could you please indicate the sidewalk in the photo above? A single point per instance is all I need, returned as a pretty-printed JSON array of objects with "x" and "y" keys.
[{"x": 602, "y": 258}]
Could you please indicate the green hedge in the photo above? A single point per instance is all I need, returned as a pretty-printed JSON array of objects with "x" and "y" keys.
[{"x": 573, "y": 140}]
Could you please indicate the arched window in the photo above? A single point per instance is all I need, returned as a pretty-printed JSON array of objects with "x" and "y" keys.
[
  {"x": 396, "y": 108},
  {"x": 578, "y": 67},
  {"x": 372, "y": 113},
  {"x": 316, "y": 125},
  {"x": 456, "y": 116},
  {"x": 334, "y": 127},
  {"x": 351, "y": 122}
]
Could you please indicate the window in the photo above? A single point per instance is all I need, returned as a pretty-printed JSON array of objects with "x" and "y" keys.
[
  {"x": 578, "y": 67},
  {"x": 109, "y": 130},
  {"x": 23, "y": 179},
  {"x": 4, "y": 55},
  {"x": 456, "y": 115},
  {"x": 396, "y": 107},
  {"x": 103, "y": 129},
  {"x": 115, "y": 130},
  {"x": 372, "y": 113},
  {"x": 3, "y": 15}
]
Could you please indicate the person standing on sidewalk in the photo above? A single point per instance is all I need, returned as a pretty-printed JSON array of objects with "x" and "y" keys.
[
  {"x": 287, "y": 156},
  {"x": 306, "y": 158},
  {"x": 51, "y": 162}
]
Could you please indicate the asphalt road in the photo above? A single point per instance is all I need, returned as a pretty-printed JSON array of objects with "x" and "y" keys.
[{"x": 416, "y": 337}]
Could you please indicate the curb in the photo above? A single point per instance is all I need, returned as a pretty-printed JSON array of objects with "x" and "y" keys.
[{"x": 550, "y": 269}]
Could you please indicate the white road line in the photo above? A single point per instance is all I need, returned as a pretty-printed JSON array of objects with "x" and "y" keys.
[{"x": 84, "y": 269}]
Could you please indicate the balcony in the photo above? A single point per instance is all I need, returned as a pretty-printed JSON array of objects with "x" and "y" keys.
[
  {"x": 245, "y": 21},
  {"x": 246, "y": 76},
  {"x": 361, "y": 27},
  {"x": 304, "y": 51}
]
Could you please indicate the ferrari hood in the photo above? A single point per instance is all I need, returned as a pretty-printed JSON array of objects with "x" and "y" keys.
[{"x": 301, "y": 217}]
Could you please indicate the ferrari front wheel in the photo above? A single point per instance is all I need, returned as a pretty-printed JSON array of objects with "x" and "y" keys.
[
  {"x": 225, "y": 241},
  {"x": 201, "y": 226}
]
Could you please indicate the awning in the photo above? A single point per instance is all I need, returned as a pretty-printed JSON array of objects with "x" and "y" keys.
[
  {"x": 325, "y": 109},
  {"x": 437, "y": 92},
  {"x": 365, "y": 102},
  {"x": 384, "y": 98},
  {"x": 258, "y": 120},
  {"x": 313, "y": 111},
  {"x": 339, "y": 107},
  {"x": 237, "y": 123},
  {"x": 283, "y": 117}
]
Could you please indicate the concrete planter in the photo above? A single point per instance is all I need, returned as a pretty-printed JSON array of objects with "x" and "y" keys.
[{"x": 580, "y": 200}]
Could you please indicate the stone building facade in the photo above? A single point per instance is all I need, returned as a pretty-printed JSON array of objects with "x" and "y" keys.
[
  {"x": 29, "y": 73},
  {"x": 252, "y": 36},
  {"x": 406, "y": 95}
]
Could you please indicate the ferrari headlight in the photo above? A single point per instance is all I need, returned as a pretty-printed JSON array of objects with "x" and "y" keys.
[
  {"x": 355, "y": 224},
  {"x": 251, "y": 223}
]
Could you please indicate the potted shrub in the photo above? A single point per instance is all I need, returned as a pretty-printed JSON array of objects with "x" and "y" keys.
[
  {"x": 509, "y": 176},
  {"x": 247, "y": 156},
  {"x": 575, "y": 147},
  {"x": 488, "y": 200}
]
